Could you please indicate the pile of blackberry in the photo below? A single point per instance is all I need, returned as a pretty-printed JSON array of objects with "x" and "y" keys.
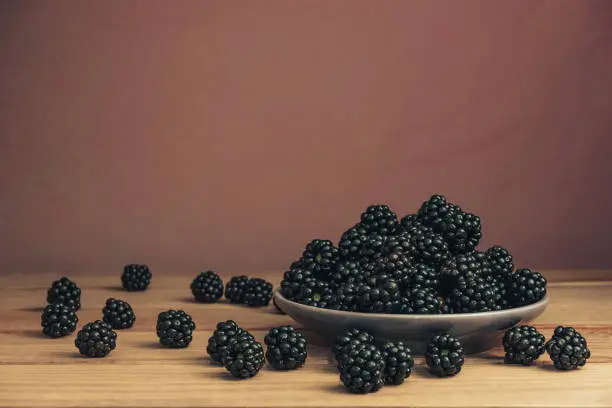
[{"x": 423, "y": 263}]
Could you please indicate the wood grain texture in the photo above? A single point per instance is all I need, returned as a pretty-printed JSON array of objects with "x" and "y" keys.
[{"x": 39, "y": 372}]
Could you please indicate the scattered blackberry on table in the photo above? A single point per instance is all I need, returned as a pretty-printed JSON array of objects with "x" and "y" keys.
[
  {"x": 348, "y": 337},
  {"x": 245, "y": 358},
  {"x": 500, "y": 261},
  {"x": 347, "y": 271},
  {"x": 462, "y": 266},
  {"x": 525, "y": 287},
  {"x": 461, "y": 230},
  {"x": 207, "y": 287},
  {"x": 236, "y": 288},
  {"x": 444, "y": 355},
  {"x": 258, "y": 292},
  {"x": 175, "y": 328},
  {"x": 320, "y": 256},
  {"x": 523, "y": 345},
  {"x": 286, "y": 348},
  {"x": 420, "y": 275},
  {"x": 292, "y": 282},
  {"x": 567, "y": 349},
  {"x": 118, "y": 314},
  {"x": 363, "y": 368},
  {"x": 472, "y": 295},
  {"x": 96, "y": 339},
  {"x": 225, "y": 334},
  {"x": 136, "y": 277},
  {"x": 58, "y": 320},
  {"x": 351, "y": 241},
  {"x": 379, "y": 219},
  {"x": 398, "y": 362},
  {"x": 424, "y": 301},
  {"x": 377, "y": 295},
  {"x": 65, "y": 292},
  {"x": 430, "y": 248}
]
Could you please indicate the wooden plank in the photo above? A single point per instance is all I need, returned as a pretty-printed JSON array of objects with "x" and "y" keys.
[{"x": 39, "y": 372}]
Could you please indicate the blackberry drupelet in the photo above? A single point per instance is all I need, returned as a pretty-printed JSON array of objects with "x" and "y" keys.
[
  {"x": 567, "y": 349},
  {"x": 258, "y": 292},
  {"x": 58, "y": 320},
  {"x": 314, "y": 293},
  {"x": 373, "y": 248},
  {"x": 523, "y": 345},
  {"x": 430, "y": 248},
  {"x": 351, "y": 241},
  {"x": 236, "y": 288},
  {"x": 472, "y": 295},
  {"x": 377, "y": 295},
  {"x": 219, "y": 342},
  {"x": 136, "y": 277},
  {"x": 245, "y": 358},
  {"x": 424, "y": 301},
  {"x": 348, "y": 337},
  {"x": 118, "y": 314},
  {"x": 500, "y": 261},
  {"x": 363, "y": 368},
  {"x": 65, "y": 292},
  {"x": 398, "y": 362},
  {"x": 379, "y": 219},
  {"x": 96, "y": 339},
  {"x": 320, "y": 256},
  {"x": 347, "y": 271},
  {"x": 421, "y": 276},
  {"x": 175, "y": 328},
  {"x": 395, "y": 265},
  {"x": 444, "y": 355},
  {"x": 292, "y": 282},
  {"x": 525, "y": 287},
  {"x": 458, "y": 267},
  {"x": 207, "y": 287},
  {"x": 286, "y": 348}
]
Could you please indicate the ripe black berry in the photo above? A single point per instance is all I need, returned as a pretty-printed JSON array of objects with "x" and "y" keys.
[
  {"x": 398, "y": 362},
  {"x": 523, "y": 345},
  {"x": 258, "y": 292},
  {"x": 363, "y": 368},
  {"x": 224, "y": 335},
  {"x": 136, "y": 277},
  {"x": 118, "y": 314},
  {"x": 175, "y": 328},
  {"x": 207, "y": 287},
  {"x": 245, "y": 358},
  {"x": 65, "y": 292},
  {"x": 444, "y": 355},
  {"x": 58, "y": 320},
  {"x": 96, "y": 339},
  {"x": 236, "y": 288},
  {"x": 286, "y": 348},
  {"x": 567, "y": 349}
]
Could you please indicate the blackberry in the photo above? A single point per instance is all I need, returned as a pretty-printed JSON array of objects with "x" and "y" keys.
[
  {"x": 351, "y": 241},
  {"x": 399, "y": 243},
  {"x": 421, "y": 276},
  {"x": 346, "y": 296},
  {"x": 430, "y": 248},
  {"x": 500, "y": 261},
  {"x": 460, "y": 229},
  {"x": 472, "y": 295},
  {"x": 567, "y": 349},
  {"x": 314, "y": 293},
  {"x": 320, "y": 256},
  {"x": 236, "y": 288},
  {"x": 175, "y": 328},
  {"x": 525, "y": 287},
  {"x": 444, "y": 355},
  {"x": 347, "y": 271},
  {"x": 363, "y": 368},
  {"x": 460, "y": 266},
  {"x": 96, "y": 339},
  {"x": 136, "y": 277},
  {"x": 523, "y": 345},
  {"x": 118, "y": 314},
  {"x": 403, "y": 305},
  {"x": 245, "y": 358},
  {"x": 58, "y": 320},
  {"x": 424, "y": 301},
  {"x": 499, "y": 288},
  {"x": 207, "y": 287},
  {"x": 286, "y": 348},
  {"x": 395, "y": 265},
  {"x": 373, "y": 248},
  {"x": 379, "y": 219},
  {"x": 224, "y": 335},
  {"x": 65, "y": 292},
  {"x": 398, "y": 362},
  {"x": 377, "y": 295},
  {"x": 292, "y": 282},
  {"x": 258, "y": 292},
  {"x": 348, "y": 337}
]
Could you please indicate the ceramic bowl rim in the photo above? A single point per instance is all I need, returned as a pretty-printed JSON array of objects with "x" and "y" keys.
[{"x": 388, "y": 316}]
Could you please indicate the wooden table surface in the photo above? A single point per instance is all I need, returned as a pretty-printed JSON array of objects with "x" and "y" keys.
[{"x": 40, "y": 372}]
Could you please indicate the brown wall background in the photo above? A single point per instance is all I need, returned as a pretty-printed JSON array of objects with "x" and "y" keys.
[{"x": 226, "y": 134}]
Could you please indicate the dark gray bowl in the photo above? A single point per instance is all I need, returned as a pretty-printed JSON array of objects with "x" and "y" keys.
[{"x": 477, "y": 331}]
